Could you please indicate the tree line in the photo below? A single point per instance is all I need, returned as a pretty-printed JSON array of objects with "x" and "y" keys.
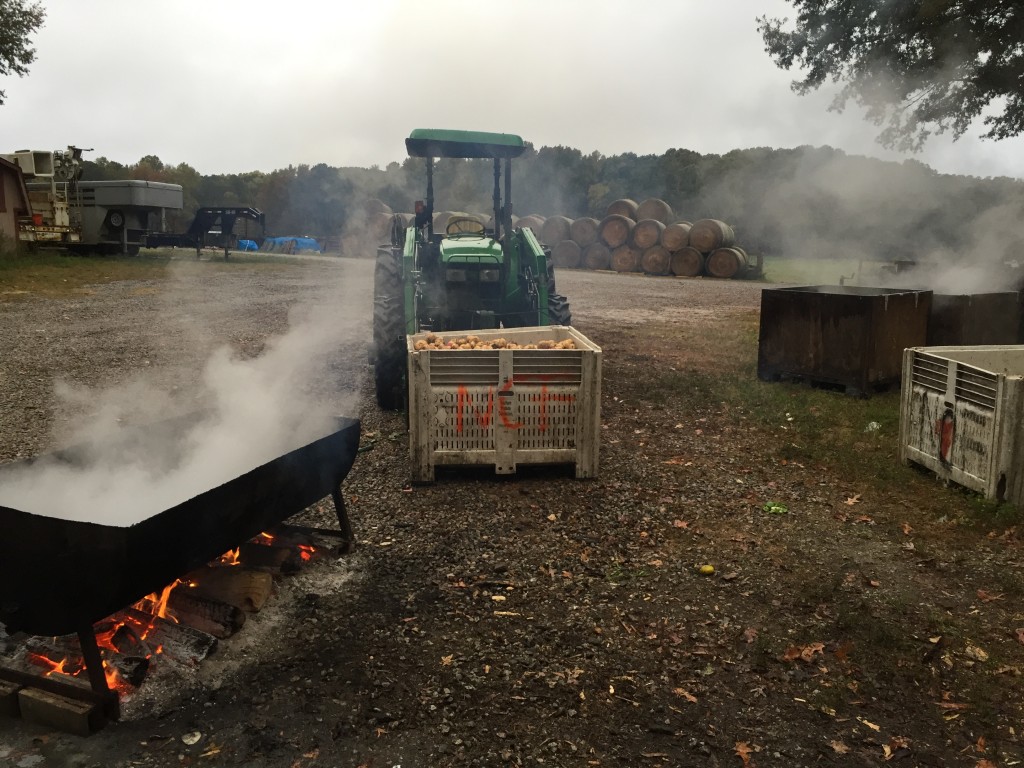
[{"x": 807, "y": 201}]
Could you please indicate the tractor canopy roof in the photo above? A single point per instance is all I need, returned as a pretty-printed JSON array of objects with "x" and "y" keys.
[{"x": 433, "y": 142}]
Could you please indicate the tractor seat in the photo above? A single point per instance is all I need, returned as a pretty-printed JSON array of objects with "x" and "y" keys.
[{"x": 464, "y": 225}]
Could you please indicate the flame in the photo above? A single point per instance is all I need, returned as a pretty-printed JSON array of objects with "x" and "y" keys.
[
  {"x": 231, "y": 557},
  {"x": 306, "y": 551},
  {"x": 157, "y": 604}
]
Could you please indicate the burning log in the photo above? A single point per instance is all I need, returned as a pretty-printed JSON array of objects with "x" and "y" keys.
[
  {"x": 240, "y": 587},
  {"x": 180, "y": 641},
  {"x": 206, "y": 614}
]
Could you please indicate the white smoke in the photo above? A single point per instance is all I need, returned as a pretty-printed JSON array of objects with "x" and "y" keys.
[{"x": 252, "y": 411}]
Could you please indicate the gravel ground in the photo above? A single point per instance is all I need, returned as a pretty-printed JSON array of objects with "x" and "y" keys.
[{"x": 541, "y": 620}]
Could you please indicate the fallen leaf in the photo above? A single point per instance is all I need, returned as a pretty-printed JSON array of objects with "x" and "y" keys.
[
  {"x": 1019, "y": 631},
  {"x": 843, "y": 651},
  {"x": 839, "y": 747},
  {"x": 498, "y": 598},
  {"x": 805, "y": 652},
  {"x": 743, "y": 751},
  {"x": 680, "y": 524},
  {"x": 446, "y": 661},
  {"x": 552, "y": 517},
  {"x": 907, "y": 530},
  {"x": 685, "y": 694},
  {"x": 869, "y": 724},
  {"x": 750, "y": 635},
  {"x": 983, "y": 763},
  {"x": 855, "y": 499},
  {"x": 988, "y": 597},
  {"x": 976, "y": 653}
]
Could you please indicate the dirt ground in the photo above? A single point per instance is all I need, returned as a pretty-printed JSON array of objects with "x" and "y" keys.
[{"x": 543, "y": 620}]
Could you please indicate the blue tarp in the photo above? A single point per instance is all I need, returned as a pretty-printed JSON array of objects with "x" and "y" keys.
[
  {"x": 291, "y": 244},
  {"x": 247, "y": 245}
]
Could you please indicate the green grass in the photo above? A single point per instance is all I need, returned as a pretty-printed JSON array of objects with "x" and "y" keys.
[
  {"x": 822, "y": 271},
  {"x": 53, "y": 274}
]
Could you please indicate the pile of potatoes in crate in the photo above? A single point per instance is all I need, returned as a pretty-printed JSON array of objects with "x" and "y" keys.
[
  {"x": 646, "y": 237},
  {"x": 433, "y": 341}
]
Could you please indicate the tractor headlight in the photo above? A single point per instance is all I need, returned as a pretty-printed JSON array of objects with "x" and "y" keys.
[
  {"x": 455, "y": 275},
  {"x": 489, "y": 275}
]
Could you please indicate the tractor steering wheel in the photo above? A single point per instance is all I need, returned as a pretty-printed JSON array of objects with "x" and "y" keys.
[{"x": 464, "y": 225}]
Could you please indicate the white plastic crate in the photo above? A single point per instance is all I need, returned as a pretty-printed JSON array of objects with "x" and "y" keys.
[
  {"x": 505, "y": 407},
  {"x": 962, "y": 416}
]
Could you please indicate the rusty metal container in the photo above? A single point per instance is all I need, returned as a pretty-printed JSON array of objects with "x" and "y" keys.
[
  {"x": 851, "y": 337},
  {"x": 974, "y": 319}
]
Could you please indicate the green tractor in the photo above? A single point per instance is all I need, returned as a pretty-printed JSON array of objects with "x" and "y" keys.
[{"x": 466, "y": 278}]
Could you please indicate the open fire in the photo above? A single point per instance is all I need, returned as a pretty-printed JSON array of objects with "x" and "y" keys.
[{"x": 184, "y": 621}]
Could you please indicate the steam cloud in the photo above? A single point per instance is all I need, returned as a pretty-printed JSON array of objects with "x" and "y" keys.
[{"x": 252, "y": 411}]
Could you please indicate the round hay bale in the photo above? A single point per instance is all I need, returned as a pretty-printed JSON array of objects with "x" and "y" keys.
[
  {"x": 687, "y": 262},
  {"x": 441, "y": 219},
  {"x": 490, "y": 222},
  {"x": 656, "y": 260},
  {"x": 624, "y": 207},
  {"x": 533, "y": 221},
  {"x": 597, "y": 256},
  {"x": 646, "y": 233},
  {"x": 676, "y": 236},
  {"x": 380, "y": 227},
  {"x": 726, "y": 263},
  {"x": 373, "y": 206},
  {"x": 626, "y": 258},
  {"x": 584, "y": 231},
  {"x": 555, "y": 229},
  {"x": 566, "y": 254},
  {"x": 655, "y": 208},
  {"x": 614, "y": 230},
  {"x": 707, "y": 235}
]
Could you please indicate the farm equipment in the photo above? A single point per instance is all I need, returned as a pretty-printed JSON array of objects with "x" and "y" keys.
[
  {"x": 86, "y": 216},
  {"x": 466, "y": 278}
]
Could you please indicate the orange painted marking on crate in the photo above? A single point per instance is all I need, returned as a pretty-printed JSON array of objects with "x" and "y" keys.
[{"x": 483, "y": 420}]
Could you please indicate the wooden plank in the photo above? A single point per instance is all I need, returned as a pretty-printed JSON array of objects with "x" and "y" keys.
[
  {"x": 9, "y": 699},
  {"x": 65, "y": 714}
]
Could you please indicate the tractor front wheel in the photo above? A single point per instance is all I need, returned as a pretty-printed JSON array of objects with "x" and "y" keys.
[
  {"x": 558, "y": 305},
  {"x": 389, "y": 330}
]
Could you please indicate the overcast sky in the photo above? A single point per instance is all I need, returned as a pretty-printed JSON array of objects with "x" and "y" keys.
[{"x": 229, "y": 86}]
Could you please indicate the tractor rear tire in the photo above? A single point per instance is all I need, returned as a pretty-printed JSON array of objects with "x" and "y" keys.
[
  {"x": 558, "y": 305},
  {"x": 389, "y": 330}
]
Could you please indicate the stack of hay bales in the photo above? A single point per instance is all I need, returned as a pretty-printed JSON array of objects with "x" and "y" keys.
[
  {"x": 643, "y": 237},
  {"x": 646, "y": 237}
]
